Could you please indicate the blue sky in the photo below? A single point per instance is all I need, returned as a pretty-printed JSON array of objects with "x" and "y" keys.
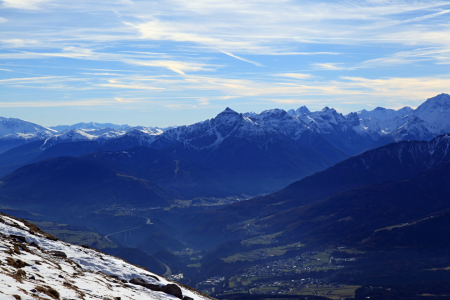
[{"x": 173, "y": 62}]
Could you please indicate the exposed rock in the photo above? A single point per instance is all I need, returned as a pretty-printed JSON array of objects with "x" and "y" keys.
[
  {"x": 154, "y": 277},
  {"x": 34, "y": 244},
  {"x": 19, "y": 238},
  {"x": 142, "y": 282},
  {"x": 173, "y": 289},
  {"x": 58, "y": 253}
]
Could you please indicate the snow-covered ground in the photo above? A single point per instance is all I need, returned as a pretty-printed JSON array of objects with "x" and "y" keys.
[{"x": 29, "y": 269}]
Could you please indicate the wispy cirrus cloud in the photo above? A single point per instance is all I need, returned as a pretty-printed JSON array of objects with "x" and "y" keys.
[
  {"x": 19, "y": 104},
  {"x": 331, "y": 66},
  {"x": 243, "y": 59},
  {"x": 121, "y": 85},
  {"x": 430, "y": 16},
  {"x": 179, "y": 67},
  {"x": 24, "y": 4},
  {"x": 295, "y": 75},
  {"x": 43, "y": 79}
]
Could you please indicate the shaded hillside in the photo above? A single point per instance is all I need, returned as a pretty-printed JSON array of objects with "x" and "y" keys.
[
  {"x": 57, "y": 147},
  {"x": 354, "y": 215},
  {"x": 72, "y": 182},
  {"x": 428, "y": 233},
  {"x": 189, "y": 179},
  {"x": 392, "y": 162}
]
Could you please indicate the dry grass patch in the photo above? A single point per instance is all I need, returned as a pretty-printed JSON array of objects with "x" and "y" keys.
[
  {"x": 49, "y": 291},
  {"x": 19, "y": 275},
  {"x": 16, "y": 263}
]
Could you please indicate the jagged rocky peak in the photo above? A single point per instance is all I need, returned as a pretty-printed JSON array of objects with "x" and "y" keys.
[
  {"x": 326, "y": 111},
  {"x": 274, "y": 113},
  {"x": 298, "y": 111},
  {"x": 228, "y": 111},
  {"x": 303, "y": 110},
  {"x": 228, "y": 115},
  {"x": 353, "y": 119}
]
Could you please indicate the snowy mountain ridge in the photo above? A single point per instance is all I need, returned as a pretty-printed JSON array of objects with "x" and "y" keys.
[
  {"x": 12, "y": 128},
  {"x": 435, "y": 112},
  {"x": 146, "y": 134},
  {"x": 424, "y": 154},
  {"x": 257, "y": 128},
  {"x": 351, "y": 134},
  {"x": 36, "y": 265},
  {"x": 90, "y": 125}
]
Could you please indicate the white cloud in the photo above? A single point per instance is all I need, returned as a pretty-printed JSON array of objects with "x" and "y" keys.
[
  {"x": 418, "y": 19},
  {"x": 55, "y": 103},
  {"x": 18, "y": 43},
  {"x": 24, "y": 4},
  {"x": 295, "y": 75},
  {"x": 35, "y": 79},
  {"x": 175, "y": 66},
  {"x": 331, "y": 66},
  {"x": 121, "y": 85},
  {"x": 243, "y": 59},
  {"x": 439, "y": 54}
]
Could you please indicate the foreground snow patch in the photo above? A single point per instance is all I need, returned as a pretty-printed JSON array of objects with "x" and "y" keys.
[{"x": 32, "y": 265}]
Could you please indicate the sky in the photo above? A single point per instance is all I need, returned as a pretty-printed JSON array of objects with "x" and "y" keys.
[{"x": 175, "y": 62}]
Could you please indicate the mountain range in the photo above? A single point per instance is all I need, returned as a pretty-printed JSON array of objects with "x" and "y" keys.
[
  {"x": 375, "y": 124},
  {"x": 259, "y": 153}
]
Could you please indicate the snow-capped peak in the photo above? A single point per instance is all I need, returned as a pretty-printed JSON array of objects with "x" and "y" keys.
[
  {"x": 298, "y": 111},
  {"x": 76, "y": 134},
  {"x": 15, "y": 128},
  {"x": 384, "y": 121},
  {"x": 435, "y": 111},
  {"x": 228, "y": 116}
]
